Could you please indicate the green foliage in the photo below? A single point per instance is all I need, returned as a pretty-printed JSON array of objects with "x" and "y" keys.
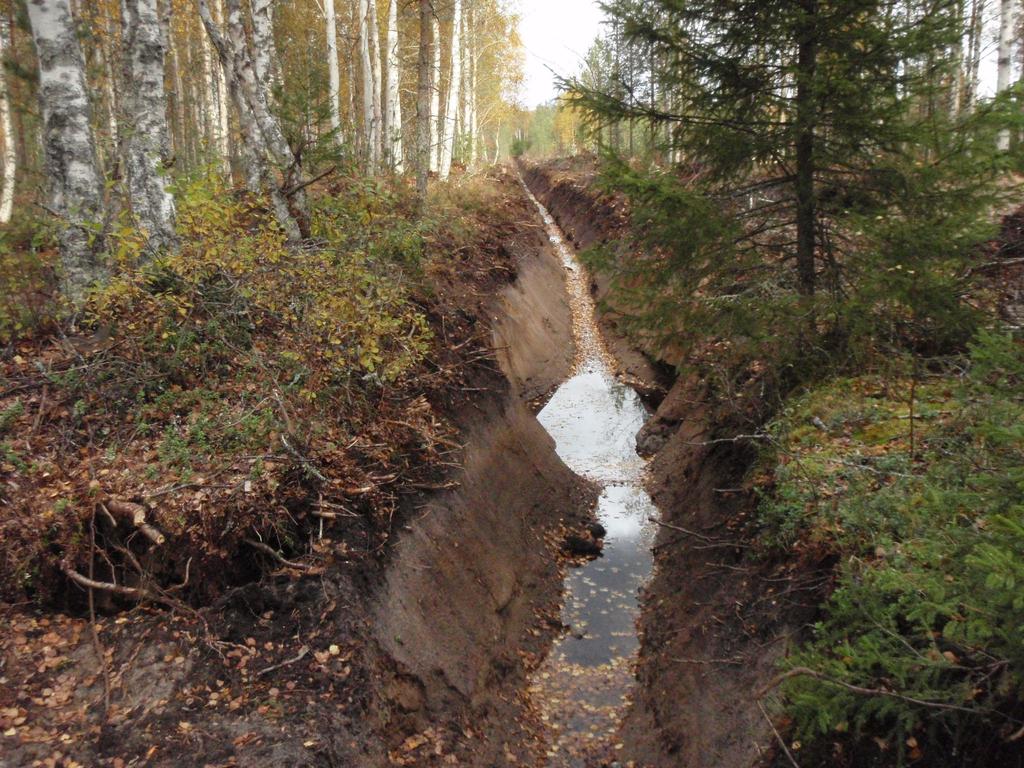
[
  {"x": 343, "y": 309},
  {"x": 928, "y": 603},
  {"x": 10, "y": 415},
  {"x": 9, "y": 455},
  {"x": 520, "y": 146},
  {"x": 27, "y": 277},
  {"x": 850, "y": 147}
]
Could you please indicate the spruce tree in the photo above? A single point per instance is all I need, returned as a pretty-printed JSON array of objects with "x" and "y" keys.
[{"x": 807, "y": 126}]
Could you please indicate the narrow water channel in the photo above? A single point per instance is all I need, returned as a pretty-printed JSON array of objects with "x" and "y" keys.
[{"x": 582, "y": 689}]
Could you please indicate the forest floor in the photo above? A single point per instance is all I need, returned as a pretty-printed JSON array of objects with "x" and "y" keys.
[{"x": 224, "y": 571}]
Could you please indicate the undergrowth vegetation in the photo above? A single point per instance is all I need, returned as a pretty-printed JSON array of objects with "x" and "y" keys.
[
  {"x": 917, "y": 491},
  {"x": 239, "y": 389}
]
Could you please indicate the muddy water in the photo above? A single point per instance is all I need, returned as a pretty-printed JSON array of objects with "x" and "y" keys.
[{"x": 583, "y": 687}]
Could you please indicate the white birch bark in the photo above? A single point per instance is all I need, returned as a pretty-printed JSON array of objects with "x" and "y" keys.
[
  {"x": 261, "y": 132},
  {"x": 376, "y": 67},
  {"x": 76, "y": 188},
  {"x": 974, "y": 53},
  {"x": 146, "y": 136},
  {"x": 211, "y": 121},
  {"x": 371, "y": 91},
  {"x": 435, "y": 100},
  {"x": 452, "y": 109},
  {"x": 333, "y": 69},
  {"x": 392, "y": 101},
  {"x": 1007, "y": 10},
  {"x": 264, "y": 47},
  {"x": 223, "y": 133},
  {"x": 10, "y": 153},
  {"x": 469, "y": 78}
]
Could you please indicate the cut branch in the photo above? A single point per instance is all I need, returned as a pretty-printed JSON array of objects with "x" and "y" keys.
[{"x": 136, "y": 513}]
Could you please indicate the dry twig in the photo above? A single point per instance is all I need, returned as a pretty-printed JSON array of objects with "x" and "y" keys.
[{"x": 276, "y": 555}]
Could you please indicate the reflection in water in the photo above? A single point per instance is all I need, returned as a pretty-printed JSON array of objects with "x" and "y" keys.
[
  {"x": 601, "y": 597},
  {"x": 583, "y": 686},
  {"x": 594, "y": 420}
]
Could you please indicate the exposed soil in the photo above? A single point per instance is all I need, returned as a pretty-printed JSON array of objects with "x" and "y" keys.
[
  {"x": 418, "y": 657},
  {"x": 590, "y": 218},
  {"x": 714, "y": 621}
]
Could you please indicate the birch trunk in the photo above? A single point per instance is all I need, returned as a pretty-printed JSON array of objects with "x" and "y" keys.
[
  {"x": 261, "y": 132},
  {"x": 424, "y": 97},
  {"x": 959, "y": 78},
  {"x": 146, "y": 142},
  {"x": 211, "y": 120},
  {"x": 1004, "y": 66},
  {"x": 435, "y": 97},
  {"x": 264, "y": 47},
  {"x": 469, "y": 78},
  {"x": 375, "y": 68},
  {"x": 452, "y": 109},
  {"x": 371, "y": 93},
  {"x": 393, "y": 103},
  {"x": 974, "y": 53},
  {"x": 332, "y": 67},
  {"x": 10, "y": 154},
  {"x": 223, "y": 134},
  {"x": 76, "y": 189}
]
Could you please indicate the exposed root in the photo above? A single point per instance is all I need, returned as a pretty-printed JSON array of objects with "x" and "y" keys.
[{"x": 277, "y": 555}]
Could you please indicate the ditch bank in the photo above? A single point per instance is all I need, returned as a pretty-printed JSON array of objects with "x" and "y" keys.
[
  {"x": 714, "y": 621},
  {"x": 420, "y": 660}
]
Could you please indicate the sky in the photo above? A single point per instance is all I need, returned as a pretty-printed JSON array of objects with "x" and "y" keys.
[{"x": 556, "y": 35}]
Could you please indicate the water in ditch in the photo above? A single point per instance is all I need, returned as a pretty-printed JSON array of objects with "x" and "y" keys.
[{"x": 582, "y": 688}]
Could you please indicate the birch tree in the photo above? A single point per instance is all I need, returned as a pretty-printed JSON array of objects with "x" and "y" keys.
[
  {"x": 146, "y": 136},
  {"x": 371, "y": 83},
  {"x": 265, "y": 141},
  {"x": 211, "y": 119},
  {"x": 425, "y": 90},
  {"x": 264, "y": 47},
  {"x": 221, "y": 96},
  {"x": 76, "y": 189},
  {"x": 334, "y": 72},
  {"x": 973, "y": 53},
  {"x": 393, "y": 103},
  {"x": 1007, "y": 9},
  {"x": 435, "y": 95},
  {"x": 469, "y": 79},
  {"x": 10, "y": 152},
  {"x": 452, "y": 108}
]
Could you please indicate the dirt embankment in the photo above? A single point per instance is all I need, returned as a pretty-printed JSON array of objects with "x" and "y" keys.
[
  {"x": 421, "y": 662},
  {"x": 714, "y": 622},
  {"x": 589, "y": 218}
]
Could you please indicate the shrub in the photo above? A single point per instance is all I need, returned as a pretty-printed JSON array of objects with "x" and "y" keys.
[{"x": 927, "y": 612}]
